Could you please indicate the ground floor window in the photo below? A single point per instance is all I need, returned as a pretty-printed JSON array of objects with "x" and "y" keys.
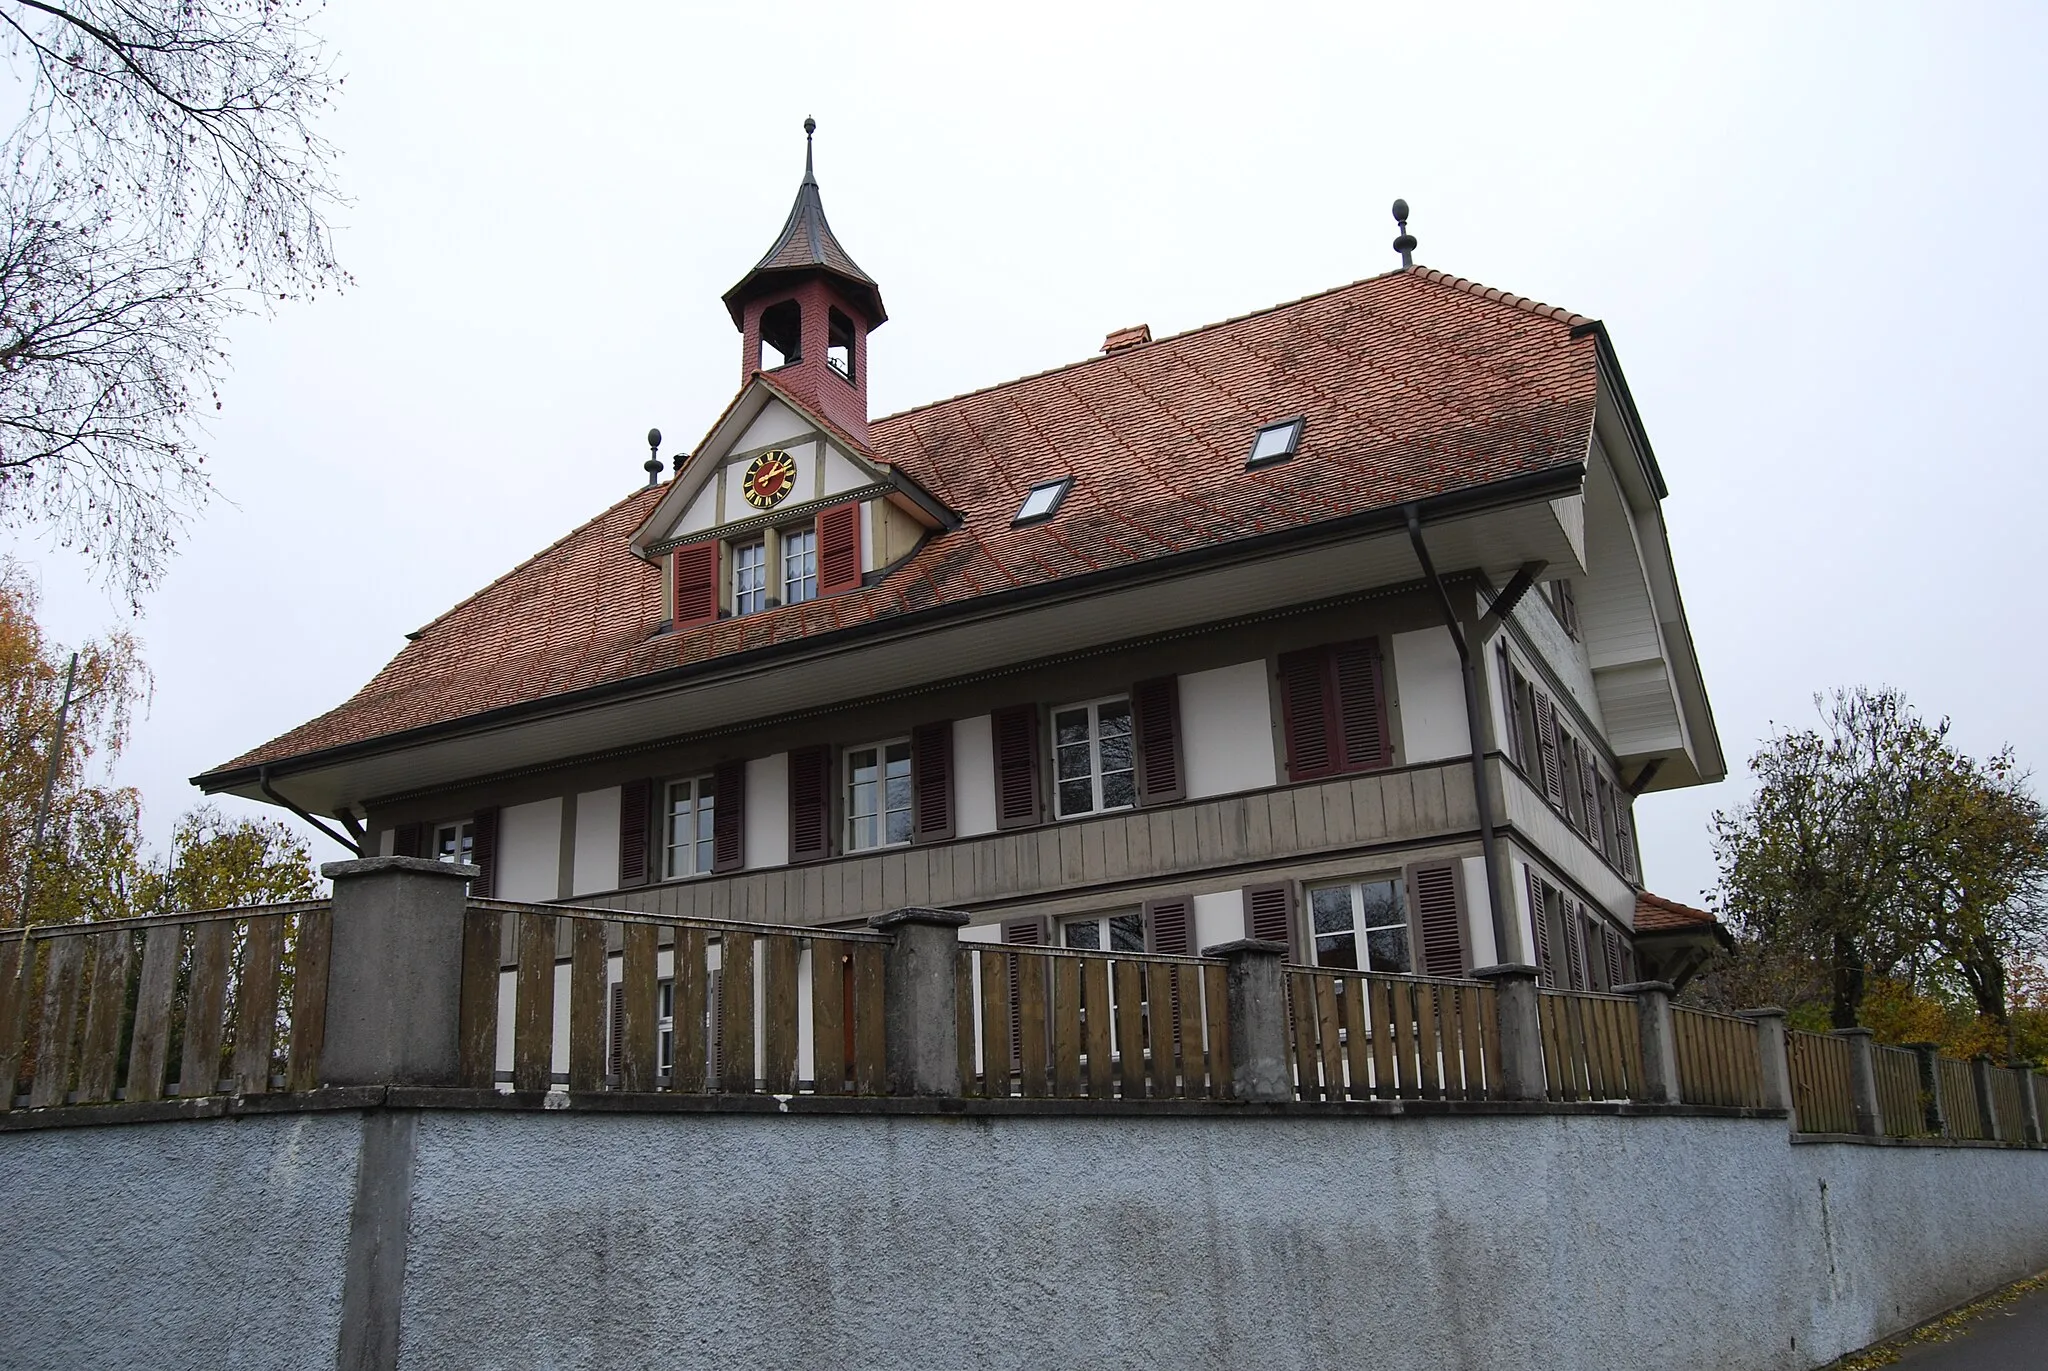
[
  {"x": 1362, "y": 925},
  {"x": 1105, "y": 933},
  {"x": 455, "y": 843}
]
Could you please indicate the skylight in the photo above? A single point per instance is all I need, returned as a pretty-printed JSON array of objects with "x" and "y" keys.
[
  {"x": 1276, "y": 442},
  {"x": 1043, "y": 500}
]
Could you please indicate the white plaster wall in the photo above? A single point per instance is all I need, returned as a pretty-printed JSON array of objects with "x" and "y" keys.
[
  {"x": 1432, "y": 697},
  {"x": 841, "y": 473},
  {"x": 974, "y": 776},
  {"x": 1226, "y": 720},
  {"x": 1478, "y": 914},
  {"x": 702, "y": 511},
  {"x": 530, "y": 850},
  {"x": 776, "y": 423},
  {"x": 982, "y": 933},
  {"x": 596, "y": 865},
  {"x": 386, "y": 841},
  {"x": 1219, "y": 918},
  {"x": 767, "y": 820}
]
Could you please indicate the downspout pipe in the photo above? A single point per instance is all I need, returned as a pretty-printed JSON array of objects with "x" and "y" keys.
[{"x": 1496, "y": 894}]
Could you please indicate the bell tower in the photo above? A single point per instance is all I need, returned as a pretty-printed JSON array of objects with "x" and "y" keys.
[{"x": 805, "y": 311}]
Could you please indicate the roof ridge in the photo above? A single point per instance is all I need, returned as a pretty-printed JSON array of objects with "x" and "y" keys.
[
  {"x": 1494, "y": 293},
  {"x": 491, "y": 585}
]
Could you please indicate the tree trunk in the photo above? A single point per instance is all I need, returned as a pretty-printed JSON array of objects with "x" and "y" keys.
[{"x": 1846, "y": 999}]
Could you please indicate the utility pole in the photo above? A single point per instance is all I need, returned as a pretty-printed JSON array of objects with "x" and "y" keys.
[{"x": 28, "y": 866}]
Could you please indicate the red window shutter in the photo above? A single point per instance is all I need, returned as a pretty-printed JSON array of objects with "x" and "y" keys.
[
  {"x": 1162, "y": 776},
  {"x": 1170, "y": 926},
  {"x": 483, "y": 853},
  {"x": 636, "y": 811},
  {"x": 729, "y": 816},
  {"x": 1361, "y": 706},
  {"x": 1539, "y": 927},
  {"x": 1305, "y": 715},
  {"x": 1546, "y": 744},
  {"x": 810, "y": 804},
  {"x": 1016, "y": 745},
  {"x": 1438, "y": 918},
  {"x": 409, "y": 840},
  {"x": 696, "y": 583},
  {"x": 931, "y": 782},
  {"x": 839, "y": 548},
  {"x": 1269, "y": 914},
  {"x": 615, "y": 1060}
]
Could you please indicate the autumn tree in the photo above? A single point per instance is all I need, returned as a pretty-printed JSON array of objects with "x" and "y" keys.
[{"x": 167, "y": 176}]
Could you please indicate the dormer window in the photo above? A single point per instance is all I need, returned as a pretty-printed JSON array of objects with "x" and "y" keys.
[
  {"x": 1042, "y": 500},
  {"x": 839, "y": 347},
  {"x": 1276, "y": 442},
  {"x": 781, "y": 336}
]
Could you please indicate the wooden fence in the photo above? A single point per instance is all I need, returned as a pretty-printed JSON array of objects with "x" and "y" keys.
[
  {"x": 1823, "y": 1098},
  {"x": 742, "y": 1008},
  {"x": 1900, "y": 1101},
  {"x": 1717, "y": 1058},
  {"x": 1363, "y": 1035},
  {"x": 1959, "y": 1105},
  {"x": 1049, "y": 1022},
  {"x": 1592, "y": 1045},
  {"x": 2006, "y": 1105},
  {"x": 215, "y": 1001}
]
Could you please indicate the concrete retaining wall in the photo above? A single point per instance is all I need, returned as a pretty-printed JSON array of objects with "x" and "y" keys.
[{"x": 567, "y": 1239}]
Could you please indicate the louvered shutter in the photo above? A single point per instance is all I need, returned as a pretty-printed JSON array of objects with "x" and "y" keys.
[
  {"x": 1511, "y": 737},
  {"x": 1573, "y": 929},
  {"x": 1361, "y": 706},
  {"x": 1539, "y": 928},
  {"x": 1305, "y": 715},
  {"x": 1589, "y": 793},
  {"x": 409, "y": 840},
  {"x": 695, "y": 583},
  {"x": 1016, "y": 745},
  {"x": 714, "y": 1030},
  {"x": 1024, "y": 933},
  {"x": 1568, "y": 608},
  {"x": 636, "y": 814},
  {"x": 1625, "y": 832},
  {"x": 839, "y": 548},
  {"x": 1162, "y": 773},
  {"x": 1603, "y": 835},
  {"x": 1546, "y": 745},
  {"x": 729, "y": 816},
  {"x": 1170, "y": 926},
  {"x": 483, "y": 853},
  {"x": 1269, "y": 915},
  {"x": 1610, "y": 947},
  {"x": 810, "y": 804},
  {"x": 615, "y": 1060},
  {"x": 1438, "y": 919},
  {"x": 931, "y": 782}
]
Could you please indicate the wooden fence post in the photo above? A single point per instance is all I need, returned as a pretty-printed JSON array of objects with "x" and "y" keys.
[
  {"x": 1521, "y": 1029},
  {"x": 394, "y": 976},
  {"x": 1987, "y": 1102},
  {"x": 1863, "y": 1082},
  {"x": 1660, "y": 1048},
  {"x": 1255, "y": 989},
  {"x": 1928, "y": 1056},
  {"x": 920, "y": 1012}
]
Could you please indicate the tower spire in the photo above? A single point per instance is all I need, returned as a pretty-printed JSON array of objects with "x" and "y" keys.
[
  {"x": 810, "y": 130},
  {"x": 807, "y": 244}
]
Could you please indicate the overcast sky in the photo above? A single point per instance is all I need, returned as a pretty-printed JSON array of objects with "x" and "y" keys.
[{"x": 1813, "y": 237}]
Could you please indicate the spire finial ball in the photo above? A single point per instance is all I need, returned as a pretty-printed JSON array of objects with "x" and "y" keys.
[
  {"x": 654, "y": 437},
  {"x": 1400, "y": 211},
  {"x": 810, "y": 126}
]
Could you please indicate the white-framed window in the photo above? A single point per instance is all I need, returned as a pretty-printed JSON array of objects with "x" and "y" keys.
[
  {"x": 687, "y": 832},
  {"x": 665, "y": 1030},
  {"x": 749, "y": 578},
  {"x": 1124, "y": 932},
  {"x": 1362, "y": 925},
  {"x": 878, "y": 795},
  {"x": 455, "y": 842},
  {"x": 800, "y": 564},
  {"x": 1092, "y": 757}
]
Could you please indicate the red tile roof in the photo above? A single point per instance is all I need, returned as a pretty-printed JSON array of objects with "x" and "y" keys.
[
  {"x": 1655, "y": 914},
  {"x": 1413, "y": 384}
]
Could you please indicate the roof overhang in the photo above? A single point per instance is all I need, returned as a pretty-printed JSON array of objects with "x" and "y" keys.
[{"x": 1492, "y": 529}]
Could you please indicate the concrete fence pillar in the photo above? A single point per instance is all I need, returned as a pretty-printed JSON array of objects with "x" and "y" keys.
[
  {"x": 1516, "y": 1000},
  {"x": 394, "y": 977},
  {"x": 923, "y": 1054},
  {"x": 2030, "y": 1104},
  {"x": 1927, "y": 1056},
  {"x": 1773, "y": 1062},
  {"x": 1863, "y": 1082},
  {"x": 1256, "y": 992},
  {"x": 1987, "y": 1103},
  {"x": 1660, "y": 1048}
]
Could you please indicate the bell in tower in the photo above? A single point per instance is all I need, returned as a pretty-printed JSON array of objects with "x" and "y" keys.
[{"x": 805, "y": 311}]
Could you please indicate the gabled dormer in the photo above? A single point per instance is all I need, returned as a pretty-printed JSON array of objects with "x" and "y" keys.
[{"x": 805, "y": 311}]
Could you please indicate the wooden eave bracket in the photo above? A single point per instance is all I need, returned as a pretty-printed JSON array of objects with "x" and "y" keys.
[{"x": 1510, "y": 595}]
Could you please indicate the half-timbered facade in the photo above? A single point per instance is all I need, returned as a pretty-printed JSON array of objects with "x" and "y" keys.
[{"x": 1136, "y": 652}]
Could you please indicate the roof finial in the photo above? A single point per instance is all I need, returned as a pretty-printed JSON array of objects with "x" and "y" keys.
[
  {"x": 652, "y": 465},
  {"x": 1405, "y": 244},
  {"x": 810, "y": 127}
]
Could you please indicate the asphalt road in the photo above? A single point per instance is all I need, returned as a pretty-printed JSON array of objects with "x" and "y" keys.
[{"x": 2013, "y": 1337}]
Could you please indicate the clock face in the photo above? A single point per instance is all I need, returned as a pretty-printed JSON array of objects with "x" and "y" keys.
[{"x": 769, "y": 479}]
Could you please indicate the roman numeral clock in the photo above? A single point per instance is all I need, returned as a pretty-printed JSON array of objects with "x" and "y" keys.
[{"x": 769, "y": 479}]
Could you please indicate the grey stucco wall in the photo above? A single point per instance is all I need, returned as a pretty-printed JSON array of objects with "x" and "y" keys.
[
  {"x": 564, "y": 1239},
  {"x": 215, "y": 1243},
  {"x": 569, "y": 1240}
]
